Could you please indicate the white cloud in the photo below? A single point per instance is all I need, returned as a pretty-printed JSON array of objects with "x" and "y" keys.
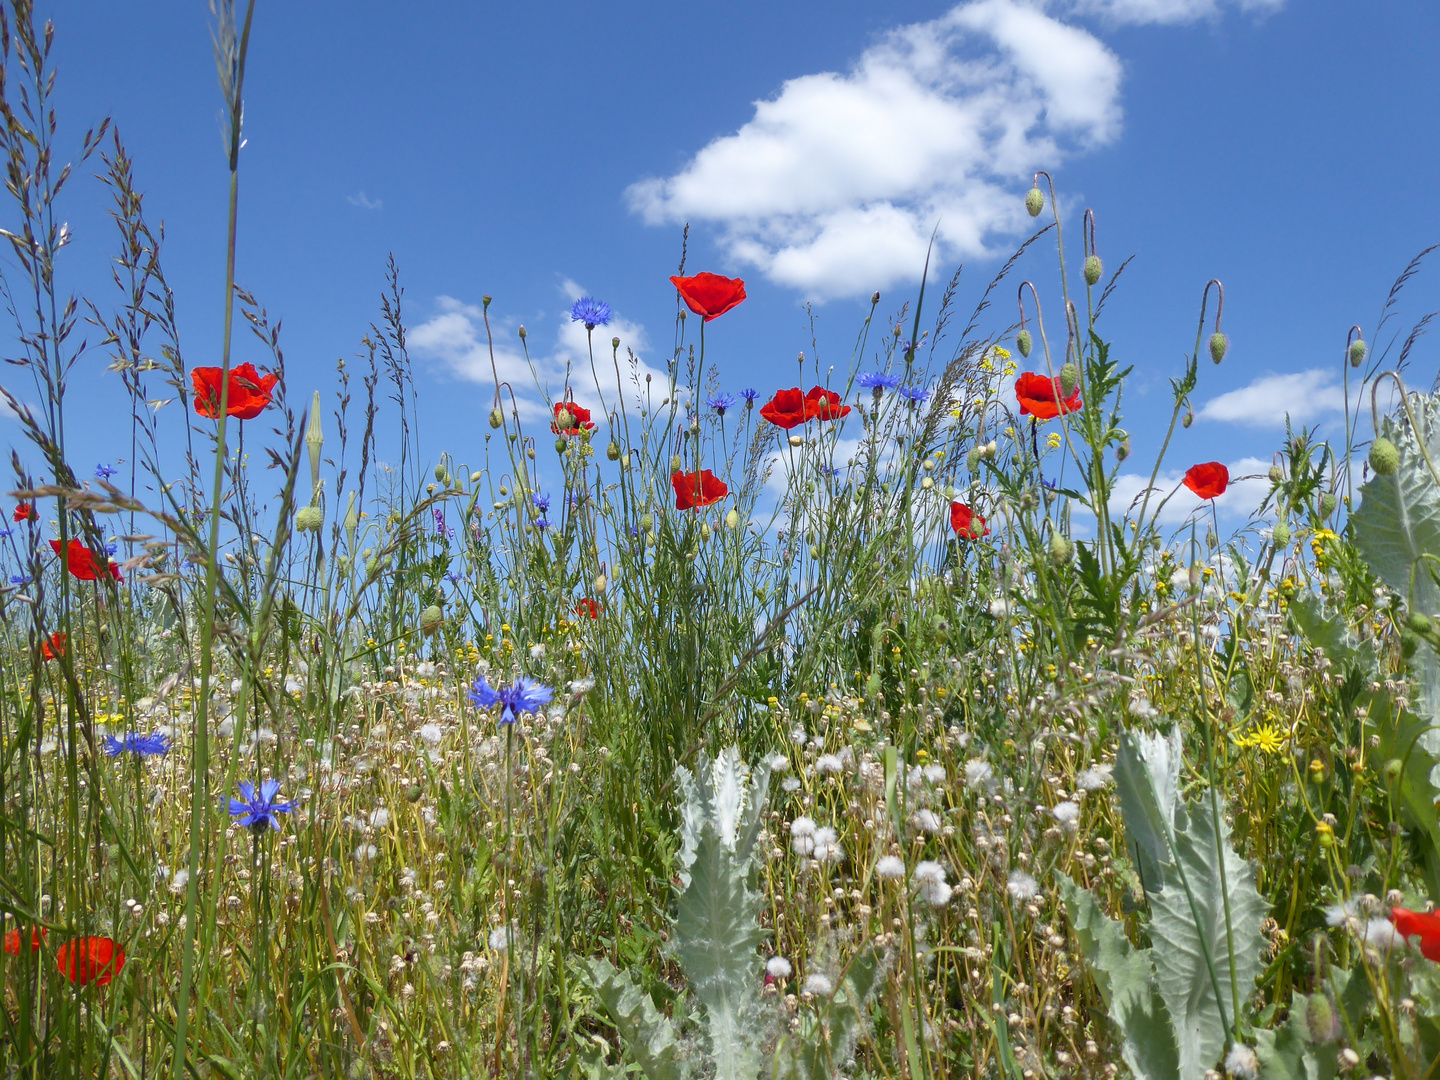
[
  {"x": 1167, "y": 11},
  {"x": 1305, "y": 396},
  {"x": 836, "y": 183},
  {"x": 455, "y": 338},
  {"x": 1249, "y": 483},
  {"x": 363, "y": 201}
]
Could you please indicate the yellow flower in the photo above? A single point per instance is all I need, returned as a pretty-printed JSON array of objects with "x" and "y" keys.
[
  {"x": 1052, "y": 441},
  {"x": 1000, "y": 353}
]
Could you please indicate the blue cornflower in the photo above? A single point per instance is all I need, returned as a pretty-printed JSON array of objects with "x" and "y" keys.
[
  {"x": 104, "y": 472},
  {"x": 257, "y": 812},
  {"x": 5, "y": 534},
  {"x": 541, "y": 523},
  {"x": 878, "y": 381},
  {"x": 749, "y": 394},
  {"x": 914, "y": 394},
  {"x": 111, "y": 548},
  {"x": 590, "y": 311},
  {"x": 829, "y": 470},
  {"x": 138, "y": 744},
  {"x": 523, "y": 696},
  {"x": 720, "y": 402},
  {"x": 541, "y": 503},
  {"x": 20, "y": 580}
]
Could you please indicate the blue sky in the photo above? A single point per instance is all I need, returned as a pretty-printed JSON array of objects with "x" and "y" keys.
[{"x": 527, "y": 150}]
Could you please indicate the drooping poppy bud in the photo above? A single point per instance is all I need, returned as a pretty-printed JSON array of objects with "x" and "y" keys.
[
  {"x": 1024, "y": 342},
  {"x": 1328, "y": 503},
  {"x": 1384, "y": 457},
  {"x": 431, "y": 619},
  {"x": 1035, "y": 201},
  {"x": 1321, "y": 1023},
  {"x": 1280, "y": 535},
  {"x": 1358, "y": 349},
  {"x": 1069, "y": 378},
  {"x": 613, "y": 451},
  {"x": 497, "y": 418},
  {"x": 1094, "y": 268},
  {"x": 1219, "y": 345},
  {"x": 1277, "y": 474}
]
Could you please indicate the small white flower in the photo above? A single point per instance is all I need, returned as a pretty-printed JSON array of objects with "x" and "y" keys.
[
  {"x": 425, "y": 669},
  {"x": 293, "y": 686},
  {"x": 365, "y": 852},
  {"x": 927, "y": 821},
  {"x": 798, "y": 736},
  {"x": 1241, "y": 1062},
  {"x": 1141, "y": 707},
  {"x": 581, "y": 686},
  {"x": 1066, "y": 814},
  {"x": 819, "y": 985},
  {"x": 1337, "y": 915},
  {"x": 779, "y": 763},
  {"x": 1022, "y": 886},
  {"x": 890, "y": 867},
  {"x": 1093, "y": 779},
  {"x": 828, "y": 765},
  {"x": 432, "y": 734},
  {"x": 777, "y": 967},
  {"x": 978, "y": 774}
]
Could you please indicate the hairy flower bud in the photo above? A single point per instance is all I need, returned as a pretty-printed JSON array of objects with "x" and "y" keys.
[
  {"x": 1069, "y": 378},
  {"x": 1093, "y": 269},
  {"x": 522, "y": 332},
  {"x": 1277, "y": 474},
  {"x": 560, "y": 444},
  {"x": 1188, "y": 418},
  {"x": 1321, "y": 1023},
  {"x": 972, "y": 459},
  {"x": 1035, "y": 201},
  {"x": 442, "y": 475},
  {"x": 732, "y": 519},
  {"x": 1384, "y": 457},
  {"x": 875, "y": 297},
  {"x": 1219, "y": 345},
  {"x": 1419, "y": 622},
  {"x": 1061, "y": 549},
  {"x": 309, "y": 519},
  {"x": 431, "y": 619},
  {"x": 1358, "y": 349},
  {"x": 676, "y": 464},
  {"x": 1024, "y": 342},
  {"x": 1280, "y": 535},
  {"x": 647, "y": 522},
  {"x": 613, "y": 451},
  {"x": 497, "y": 418},
  {"x": 1328, "y": 502},
  {"x": 1123, "y": 450}
]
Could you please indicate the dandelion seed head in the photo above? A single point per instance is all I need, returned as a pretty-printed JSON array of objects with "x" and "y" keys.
[
  {"x": 819, "y": 985},
  {"x": 890, "y": 868},
  {"x": 1022, "y": 887},
  {"x": 777, "y": 967}
]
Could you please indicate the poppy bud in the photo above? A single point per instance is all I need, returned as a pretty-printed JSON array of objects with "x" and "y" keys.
[
  {"x": 1280, "y": 535},
  {"x": 1024, "y": 343},
  {"x": 875, "y": 297},
  {"x": 441, "y": 474},
  {"x": 797, "y": 440},
  {"x": 972, "y": 459},
  {"x": 1358, "y": 349},
  {"x": 705, "y": 530},
  {"x": 1069, "y": 378},
  {"x": 647, "y": 522},
  {"x": 522, "y": 331},
  {"x": 600, "y": 583},
  {"x": 1123, "y": 450},
  {"x": 1219, "y": 344},
  {"x": 1061, "y": 549},
  {"x": 309, "y": 519},
  {"x": 1384, "y": 458},
  {"x": 1327, "y": 504},
  {"x": 676, "y": 465},
  {"x": 1188, "y": 418},
  {"x": 614, "y": 342},
  {"x": 560, "y": 445},
  {"x": 1093, "y": 269},
  {"x": 431, "y": 619},
  {"x": 732, "y": 519},
  {"x": 991, "y": 447},
  {"x": 314, "y": 440},
  {"x": 530, "y": 452},
  {"x": 613, "y": 451},
  {"x": 1321, "y": 1023},
  {"x": 564, "y": 420},
  {"x": 1419, "y": 622},
  {"x": 414, "y": 792},
  {"x": 1409, "y": 642},
  {"x": 1035, "y": 201},
  {"x": 497, "y": 418},
  {"x": 927, "y": 483},
  {"x": 1277, "y": 474}
]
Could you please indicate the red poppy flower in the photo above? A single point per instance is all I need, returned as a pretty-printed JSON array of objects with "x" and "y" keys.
[
  {"x": 81, "y": 563},
  {"x": 1041, "y": 397},
  {"x": 824, "y": 404},
  {"x": 787, "y": 409},
  {"x": 967, "y": 524},
  {"x": 90, "y": 960},
  {"x": 709, "y": 294},
  {"x": 249, "y": 391},
  {"x": 697, "y": 489},
  {"x": 12, "y": 940},
  {"x": 1422, "y": 924},
  {"x": 587, "y": 606},
  {"x": 579, "y": 419},
  {"x": 1208, "y": 480},
  {"x": 25, "y": 512},
  {"x": 53, "y": 646}
]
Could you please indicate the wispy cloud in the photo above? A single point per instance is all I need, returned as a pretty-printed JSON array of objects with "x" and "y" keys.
[
  {"x": 364, "y": 201},
  {"x": 454, "y": 338},
  {"x": 1304, "y": 396},
  {"x": 1152, "y": 12},
  {"x": 835, "y": 184}
]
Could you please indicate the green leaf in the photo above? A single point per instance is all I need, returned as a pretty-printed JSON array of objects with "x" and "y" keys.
[
  {"x": 1124, "y": 975},
  {"x": 1183, "y": 934},
  {"x": 1147, "y": 776},
  {"x": 1285, "y": 1053},
  {"x": 649, "y": 1035}
]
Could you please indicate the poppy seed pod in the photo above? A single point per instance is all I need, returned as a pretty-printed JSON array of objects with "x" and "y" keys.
[
  {"x": 1069, "y": 378},
  {"x": 1384, "y": 457},
  {"x": 1219, "y": 345},
  {"x": 1093, "y": 269},
  {"x": 1024, "y": 342},
  {"x": 1280, "y": 535},
  {"x": 1035, "y": 201},
  {"x": 497, "y": 418},
  {"x": 309, "y": 519},
  {"x": 1358, "y": 349},
  {"x": 431, "y": 619},
  {"x": 1328, "y": 503},
  {"x": 615, "y": 343}
]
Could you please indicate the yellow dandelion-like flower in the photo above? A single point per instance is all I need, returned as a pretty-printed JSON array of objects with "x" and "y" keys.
[{"x": 1268, "y": 739}]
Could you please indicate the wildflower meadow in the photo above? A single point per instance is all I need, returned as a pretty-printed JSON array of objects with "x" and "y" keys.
[{"x": 849, "y": 725}]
